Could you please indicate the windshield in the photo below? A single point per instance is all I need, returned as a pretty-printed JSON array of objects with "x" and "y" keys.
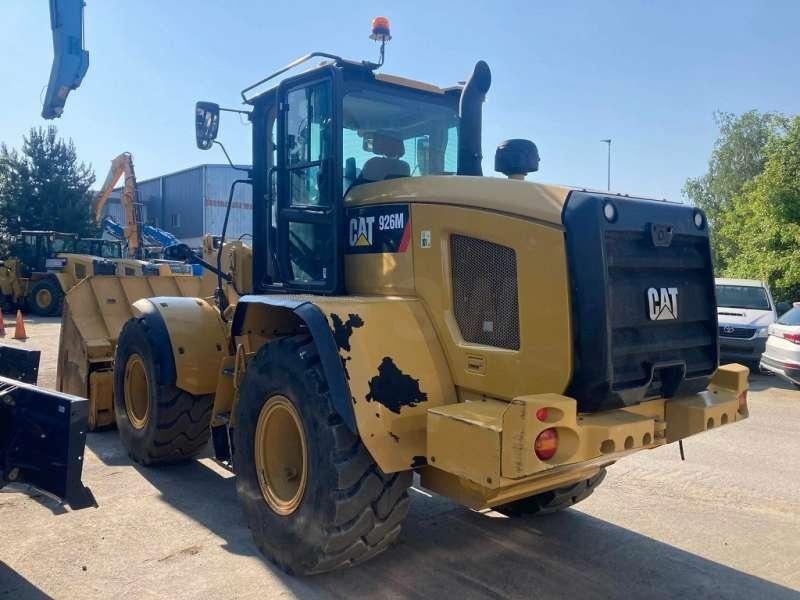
[
  {"x": 742, "y": 296},
  {"x": 791, "y": 317},
  {"x": 387, "y": 135},
  {"x": 62, "y": 245},
  {"x": 83, "y": 247},
  {"x": 111, "y": 250}
]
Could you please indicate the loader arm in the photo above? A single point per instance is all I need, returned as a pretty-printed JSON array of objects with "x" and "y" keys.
[
  {"x": 123, "y": 165},
  {"x": 70, "y": 60}
]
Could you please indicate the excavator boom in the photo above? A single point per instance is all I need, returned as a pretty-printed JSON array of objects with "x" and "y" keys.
[
  {"x": 123, "y": 165},
  {"x": 70, "y": 60}
]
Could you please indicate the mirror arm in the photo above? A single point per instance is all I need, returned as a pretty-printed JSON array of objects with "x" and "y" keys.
[
  {"x": 233, "y": 110},
  {"x": 230, "y": 162}
]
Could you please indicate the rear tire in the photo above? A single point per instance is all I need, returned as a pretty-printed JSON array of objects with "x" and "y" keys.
[
  {"x": 45, "y": 298},
  {"x": 157, "y": 423},
  {"x": 347, "y": 510},
  {"x": 553, "y": 500}
]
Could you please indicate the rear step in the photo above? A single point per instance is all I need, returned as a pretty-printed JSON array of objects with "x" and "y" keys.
[{"x": 42, "y": 432}]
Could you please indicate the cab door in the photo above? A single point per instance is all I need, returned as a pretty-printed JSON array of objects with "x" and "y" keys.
[{"x": 309, "y": 203}]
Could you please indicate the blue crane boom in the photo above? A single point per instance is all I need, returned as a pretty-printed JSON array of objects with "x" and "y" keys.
[{"x": 70, "y": 60}]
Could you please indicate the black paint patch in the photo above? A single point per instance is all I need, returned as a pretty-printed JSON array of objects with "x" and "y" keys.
[
  {"x": 394, "y": 389},
  {"x": 342, "y": 330},
  {"x": 418, "y": 461}
]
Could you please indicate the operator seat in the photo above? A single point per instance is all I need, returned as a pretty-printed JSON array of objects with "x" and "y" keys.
[{"x": 386, "y": 166}]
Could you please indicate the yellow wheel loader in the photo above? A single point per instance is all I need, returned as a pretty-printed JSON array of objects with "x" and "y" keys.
[
  {"x": 399, "y": 312},
  {"x": 43, "y": 265}
]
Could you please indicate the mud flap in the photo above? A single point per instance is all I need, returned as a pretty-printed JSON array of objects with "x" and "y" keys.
[{"x": 42, "y": 438}]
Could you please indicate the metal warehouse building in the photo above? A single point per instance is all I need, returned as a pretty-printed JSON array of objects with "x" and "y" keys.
[{"x": 191, "y": 202}]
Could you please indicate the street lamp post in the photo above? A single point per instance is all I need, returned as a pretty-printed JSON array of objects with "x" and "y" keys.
[{"x": 608, "y": 184}]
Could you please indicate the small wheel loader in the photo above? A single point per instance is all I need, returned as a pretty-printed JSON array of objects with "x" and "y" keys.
[
  {"x": 43, "y": 265},
  {"x": 399, "y": 312}
]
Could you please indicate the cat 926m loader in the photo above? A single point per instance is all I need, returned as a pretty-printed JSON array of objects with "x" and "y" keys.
[{"x": 398, "y": 312}]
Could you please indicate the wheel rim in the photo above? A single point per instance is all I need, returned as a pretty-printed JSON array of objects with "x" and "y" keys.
[
  {"x": 44, "y": 298},
  {"x": 281, "y": 455},
  {"x": 137, "y": 392}
]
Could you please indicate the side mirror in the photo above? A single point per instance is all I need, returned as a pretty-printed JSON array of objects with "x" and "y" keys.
[
  {"x": 206, "y": 124},
  {"x": 782, "y": 307}
]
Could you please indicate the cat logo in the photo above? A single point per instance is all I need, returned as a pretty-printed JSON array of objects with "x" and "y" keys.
[
  {"x": 361, "y": 231},
  {"x": 377, "y": 229},
  {"x": 662, "y": 303}
]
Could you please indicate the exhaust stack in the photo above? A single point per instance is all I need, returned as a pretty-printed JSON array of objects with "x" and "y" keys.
[{"x": 469, "y": 112}]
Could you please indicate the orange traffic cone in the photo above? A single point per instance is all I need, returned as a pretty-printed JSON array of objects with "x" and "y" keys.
[
  {"x": 19, "y": 330},
  {"x": 2, "y": 325}
]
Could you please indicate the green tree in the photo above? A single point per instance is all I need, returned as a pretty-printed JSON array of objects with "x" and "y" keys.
[
  {"x": 738, "y": 156},
  {"x": 44, "y": 186},
  {"x": 764, "y": 219}
]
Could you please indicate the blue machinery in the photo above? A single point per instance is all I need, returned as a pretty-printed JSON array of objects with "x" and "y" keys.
[{"x": 70, "y": 60}]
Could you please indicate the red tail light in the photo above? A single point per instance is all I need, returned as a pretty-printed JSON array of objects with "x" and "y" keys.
[
  {"x": 743, "y": 403},
  {"x": 546, "y": 444},
  {"x": 792, "y": 337}
]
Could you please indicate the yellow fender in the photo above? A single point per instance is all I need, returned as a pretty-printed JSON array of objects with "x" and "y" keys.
[
  {"x": 381, "y": 357},
  {"x": 190, "y": 339}
]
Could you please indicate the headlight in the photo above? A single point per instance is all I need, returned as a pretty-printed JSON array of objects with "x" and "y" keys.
[{"x": 762, "y": 332}]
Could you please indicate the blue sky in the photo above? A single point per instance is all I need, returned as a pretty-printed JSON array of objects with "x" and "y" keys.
[{"x": 565, "y": 74}]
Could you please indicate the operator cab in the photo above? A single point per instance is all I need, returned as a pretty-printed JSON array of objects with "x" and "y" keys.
[
  {"x": 33, "y": 248},
  {"x": 319, "y": 134},
  {"x": 99, "y": 247}
]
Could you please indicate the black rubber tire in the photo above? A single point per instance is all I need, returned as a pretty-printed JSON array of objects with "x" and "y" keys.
[
  {"x": 350, "y": 510},
  {"x": 553, "y": 500},
  {"x": 56, "y": 294},
  {"x": 178, "y": 423}
]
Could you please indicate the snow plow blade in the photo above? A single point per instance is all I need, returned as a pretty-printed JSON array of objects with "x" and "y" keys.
[{"x": 42, "y": 437}]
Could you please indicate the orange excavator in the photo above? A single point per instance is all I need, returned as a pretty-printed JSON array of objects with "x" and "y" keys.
[{"x": 123, "y": 165}]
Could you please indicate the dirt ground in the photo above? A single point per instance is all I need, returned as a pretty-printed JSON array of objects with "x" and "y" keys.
[{"x": 723, "y": 524}]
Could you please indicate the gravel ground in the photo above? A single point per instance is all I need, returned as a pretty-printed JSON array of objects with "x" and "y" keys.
[{"x": 723, "y": 524}]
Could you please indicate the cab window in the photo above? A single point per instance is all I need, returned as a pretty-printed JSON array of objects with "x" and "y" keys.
[
  {"x": 308, "y": 143},
  {"x": 387, "y": 136},
  {"x": 309, "y": 135}
]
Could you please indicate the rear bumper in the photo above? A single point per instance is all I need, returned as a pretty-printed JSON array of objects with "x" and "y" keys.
[
  {"x": 482, "y": 453},
  {"x": 738, "y": 350},
  {"x": 788, "y": 371}
]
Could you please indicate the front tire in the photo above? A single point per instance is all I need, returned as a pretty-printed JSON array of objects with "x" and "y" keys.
[
  {"x": 45, "y": 298},
  {"x": 553, "y": 500},
  {"x": 312, "y": 495},
  {"x": 157, "y": 424}
]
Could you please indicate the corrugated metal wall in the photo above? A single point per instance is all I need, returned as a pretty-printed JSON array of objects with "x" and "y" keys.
[
  {"x": 183, "y": 203},
  {"x": 218, "y": 184}
]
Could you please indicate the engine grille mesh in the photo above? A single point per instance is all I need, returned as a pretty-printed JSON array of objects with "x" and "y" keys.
[{"x": 485, "y": 300}]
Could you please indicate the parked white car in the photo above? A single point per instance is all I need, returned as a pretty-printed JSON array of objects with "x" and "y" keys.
[
  {"x": 782, "y": 354},
  {"x": 745, "y": 310}
]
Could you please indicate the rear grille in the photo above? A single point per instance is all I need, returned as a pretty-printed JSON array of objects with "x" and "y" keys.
[
  {"x": 627, "y": 348},
  {"x": 638, "y": 344},
  {"x": 485, "y": 300},
  {"x": 742, "y": 333}
]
